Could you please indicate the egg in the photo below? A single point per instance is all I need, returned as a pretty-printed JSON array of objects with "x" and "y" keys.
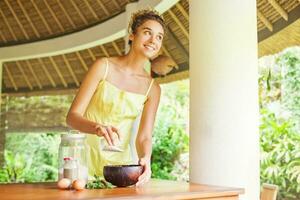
[
  {"x": 64, "y": 183},
  {"x": 78, "y": 184}
]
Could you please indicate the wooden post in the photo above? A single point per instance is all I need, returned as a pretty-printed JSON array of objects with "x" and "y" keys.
[{"x": 2, "y": 121}]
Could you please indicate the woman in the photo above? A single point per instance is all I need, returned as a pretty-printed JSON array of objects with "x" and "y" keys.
[{"x": 114, "y": 92}]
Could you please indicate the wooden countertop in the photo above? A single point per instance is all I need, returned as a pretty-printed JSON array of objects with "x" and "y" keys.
[{"x": 155, "y": 189}]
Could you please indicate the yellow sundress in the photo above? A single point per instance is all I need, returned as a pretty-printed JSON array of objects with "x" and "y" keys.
[{"x": 110, "y": 105}]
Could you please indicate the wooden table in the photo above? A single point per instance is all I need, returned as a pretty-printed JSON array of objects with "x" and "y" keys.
[{"x": 155, "y": 189}]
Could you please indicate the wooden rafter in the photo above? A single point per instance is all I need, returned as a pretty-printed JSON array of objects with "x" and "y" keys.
[
  {"x": 2, "y": 36},
  {"x": 17, "y": 19},
  {"x": 116, "y": 4},
  {"x": 264, "y": 20},
  {"x": 82, "y": 61},
  {"x": 91, "y": 54},
  {"x": 8, "y": 26},
  {"x": 279, "y": 9},
  {"x": 91, "y": 9},
  {"x": 10, "y": 77},
  {"x": 24, "y": 75},
  {"x": 28, "y": 18},
  {"x": 116, "y": 48},
  {"x": 172, "y": 37},
  {"x": 54, "y": 16},
  {"x": 165, "y": 51},
  {"x": 182, "y": 10},
  {"x": 104, "y": 51},
  {"x": 103, "y": 7},
  {"x": 66, "y": 13},
  {"x": 70, "y": 70},
  {"x": 34, "y": 74},
  {"x": 79, "y": 12},
  {"x": 178, "y": 22},
  {"x": 42, "y": 17},
  {"x": 47, "y": 72},
  {"x": 58, "y": 72}
]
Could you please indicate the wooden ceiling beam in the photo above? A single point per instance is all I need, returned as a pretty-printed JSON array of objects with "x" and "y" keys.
[
  {"x": 264, "y": 20},
  {"x": 116, "y": 4},
  {"x": 34, "y": 74},
  {"x": 103, "y": 7},
  {"x": 91, "y": 9},
  {"x": 83, "y": 64},
  {"x": 279, "y": 9},
  {"x": 66, "y": 13},
  {"x": 54, "y": 16},
  {"x": 2, "y": 36},
  {"x": 79, "y": 12},
  {"x": 10, "y": 77},
  {"x": 17, "y": 19},
  {"x": 46, "y": 92},
  {"x": 28, "y": 19},
  {"x": 8, "y": 26},
  {"x": 58, "y": 72},
  {"x": 91, "y": 54},
  {"x": 172, "y": 37},
  {"x": 24, "y": 75},
  {"x": 116, "y": 48},
  {"x": 104, "y": 51},
  {"x": 178, "y": 22},
  {"x": 42, "y": 17},
  {"x": 165, "y": 51},
  {"x": 70, "y": 70},
  {"x": 182, "y": 10},
  {"x": 47, "y": 72}
]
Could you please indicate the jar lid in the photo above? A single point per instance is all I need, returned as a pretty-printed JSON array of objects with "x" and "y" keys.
[{"x": 72, "y": 136}]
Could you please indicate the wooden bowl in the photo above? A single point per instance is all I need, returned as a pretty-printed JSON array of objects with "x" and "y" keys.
[{"x": 122, "y": 175}]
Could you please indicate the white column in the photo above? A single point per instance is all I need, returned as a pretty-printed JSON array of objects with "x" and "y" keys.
[{"x": 224, "y": 136}]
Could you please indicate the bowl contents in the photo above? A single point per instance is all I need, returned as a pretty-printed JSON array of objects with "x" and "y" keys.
[{"x": 122, "y": 175}]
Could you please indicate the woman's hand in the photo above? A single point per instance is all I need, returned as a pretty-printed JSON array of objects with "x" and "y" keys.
[
  {"x": 145, "y": 177},
  {"x": 108, "y": 133}
]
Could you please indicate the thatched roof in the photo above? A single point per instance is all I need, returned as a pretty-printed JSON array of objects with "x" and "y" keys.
[{"x": 30, "y": 21}]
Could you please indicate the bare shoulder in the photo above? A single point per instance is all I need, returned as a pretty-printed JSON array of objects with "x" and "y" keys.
[
  {"x": 98, "y": 68},
  {"x": 155, "y": 90}
]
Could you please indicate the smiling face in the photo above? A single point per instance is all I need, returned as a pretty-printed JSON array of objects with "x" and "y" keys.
[{"x": 148, "y": 38}]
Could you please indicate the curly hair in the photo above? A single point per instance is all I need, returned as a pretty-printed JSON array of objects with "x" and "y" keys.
[{"x": 140, "y": 16}]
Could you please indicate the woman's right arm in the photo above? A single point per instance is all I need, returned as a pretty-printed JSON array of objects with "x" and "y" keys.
[{"x": 88, "y": 86}]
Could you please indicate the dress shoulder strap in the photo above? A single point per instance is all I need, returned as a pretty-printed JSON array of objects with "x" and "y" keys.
[
  {"x": 149, "y": 87},
  {"x": 106, "y": 69}
]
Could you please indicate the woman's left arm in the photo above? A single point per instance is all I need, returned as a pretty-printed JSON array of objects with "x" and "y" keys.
[{"x": 144, "y": 136}]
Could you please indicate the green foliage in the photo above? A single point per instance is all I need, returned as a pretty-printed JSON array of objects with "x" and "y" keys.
[
  {"x": 98, "y": 183},
  {"x": 170, "y": 138},
  {"x": 279, "y": 85},
  {"x": 280, "y": 155},
  {"x": 290, "y": 64},
  {"x": 30, "y": 158}
]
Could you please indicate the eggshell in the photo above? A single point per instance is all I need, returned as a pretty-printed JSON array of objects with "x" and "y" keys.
[
  {"x": 64, "y": 183},
  {"x": 78, "y": 184}
]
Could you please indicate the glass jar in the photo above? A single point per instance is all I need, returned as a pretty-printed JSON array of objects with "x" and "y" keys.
[
  {"x": 72, "y": 156},
  {"x": 70, "y": 170}
]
